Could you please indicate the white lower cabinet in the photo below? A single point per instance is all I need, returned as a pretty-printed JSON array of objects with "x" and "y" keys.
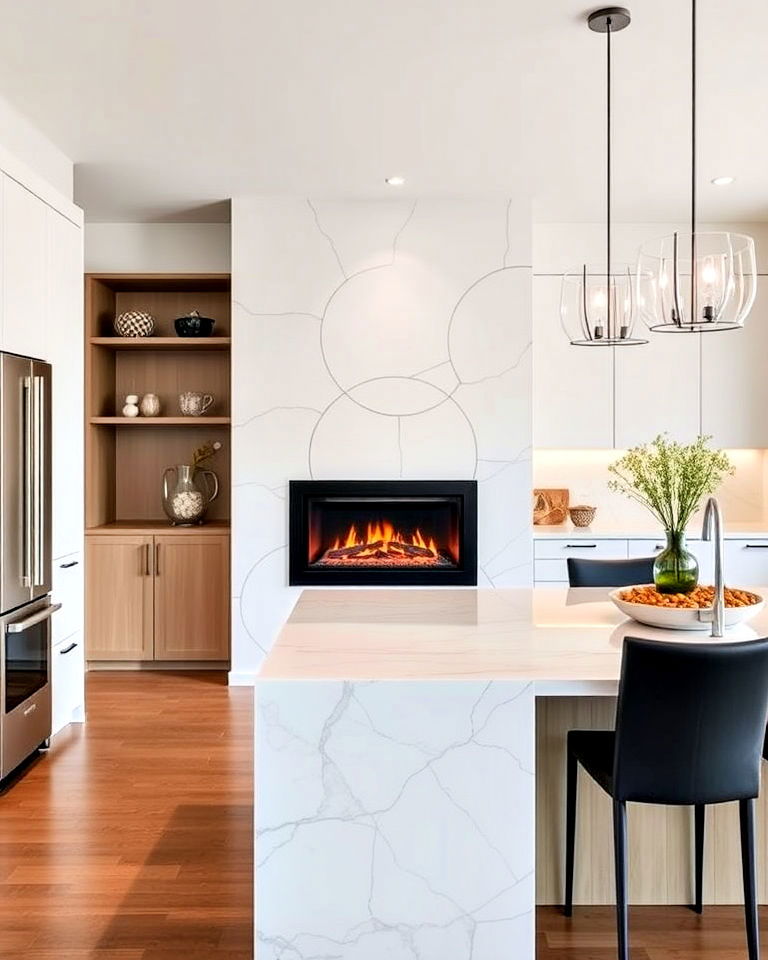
[
  {"x": 67, "y": 678},
  {"x": 551, "y": 555},
  {"x": 68, "y": 657},
  {"x": 746, "y": 563}
]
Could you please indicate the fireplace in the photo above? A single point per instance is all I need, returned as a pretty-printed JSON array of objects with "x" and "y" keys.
[{"x": 393, "y": 532}]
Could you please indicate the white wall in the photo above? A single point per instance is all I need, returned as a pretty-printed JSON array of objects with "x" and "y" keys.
[
  {"x": 375, "y": 341},
  {"x": 157, "y": 247},
  {"x": 26, "y": 143}
]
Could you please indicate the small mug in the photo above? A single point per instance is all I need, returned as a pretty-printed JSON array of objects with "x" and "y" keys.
[{"x": 193, "y": 404}]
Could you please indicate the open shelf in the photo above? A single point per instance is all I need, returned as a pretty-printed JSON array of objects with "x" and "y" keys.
[
  {"x": 163, "y": 343},
  {"x": 125, "y": 457},
  {"x": 161, "y": 421}
]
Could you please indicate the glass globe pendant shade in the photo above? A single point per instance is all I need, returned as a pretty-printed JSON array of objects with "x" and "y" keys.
[
  {"x": 597, "y": 309},
  {"x": 724, "y": 287}
]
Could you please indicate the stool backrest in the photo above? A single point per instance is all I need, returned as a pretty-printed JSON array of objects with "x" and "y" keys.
[
  {"x": 690, "y": 721},
  {"x": 609, "y": 573}
]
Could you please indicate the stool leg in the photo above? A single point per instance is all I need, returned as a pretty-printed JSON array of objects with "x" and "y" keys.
[
  {"x": 620, "y": 854},
  {"x": 699, "y": 813},
  {"x": 572, "y": 779},
  {"x": 747, "y": 820}
]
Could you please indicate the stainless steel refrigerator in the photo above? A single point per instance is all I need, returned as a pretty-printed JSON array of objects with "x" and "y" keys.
[{"x": 25, "y": 558}]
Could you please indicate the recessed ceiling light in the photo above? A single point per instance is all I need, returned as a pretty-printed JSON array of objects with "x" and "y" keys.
[
  {"x": 395, "y": 181},
  {"x": 722, "y": 181}
]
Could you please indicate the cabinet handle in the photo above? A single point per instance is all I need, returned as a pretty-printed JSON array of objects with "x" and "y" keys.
[
  {"x": 659, "y": 546},
  {"x": 580, "y": 546},
  {"x": 66, "y": 566},
  {"x": 157, "y": 559},
  {"x": 756, "y": 546},
  {"x": 146, "y": 559},
  {"x": 68, "y": 649}
]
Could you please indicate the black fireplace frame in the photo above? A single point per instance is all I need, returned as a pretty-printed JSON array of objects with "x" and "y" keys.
[{"x": 300, "y": 574}]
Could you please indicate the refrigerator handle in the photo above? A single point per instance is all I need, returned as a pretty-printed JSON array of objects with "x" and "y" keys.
[
  {"x": 27, "y": 480},
  {"x": 38, "y": 474}
]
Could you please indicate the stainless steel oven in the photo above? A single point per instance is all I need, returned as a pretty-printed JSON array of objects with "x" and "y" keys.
[{"x": 25, "y": 682}]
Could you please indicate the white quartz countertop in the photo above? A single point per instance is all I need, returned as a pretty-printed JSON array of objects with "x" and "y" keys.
[
  {"x": 647, "y": 531},
  {"x": 547, "y": 635}
]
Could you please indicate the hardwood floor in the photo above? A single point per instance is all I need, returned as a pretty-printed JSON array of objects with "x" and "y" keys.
[
  {"x": 132, "y": 838},
  {"x": 655, "y": 933}
]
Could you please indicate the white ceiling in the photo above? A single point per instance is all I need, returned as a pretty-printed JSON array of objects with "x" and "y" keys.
[{"x": 172, "y": 105}]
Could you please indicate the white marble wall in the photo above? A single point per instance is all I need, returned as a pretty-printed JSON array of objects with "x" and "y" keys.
[
  {"x": 375, "y": 340},
  {"x": 395, "y": 820}
]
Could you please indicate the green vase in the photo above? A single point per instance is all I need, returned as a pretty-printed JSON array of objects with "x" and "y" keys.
[{"x": 675, "y": 570}]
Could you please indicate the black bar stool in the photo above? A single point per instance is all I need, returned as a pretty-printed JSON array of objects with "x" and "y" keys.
[
  {"x": 609, "y": 573},
  {"x": 690, "y": 725}
]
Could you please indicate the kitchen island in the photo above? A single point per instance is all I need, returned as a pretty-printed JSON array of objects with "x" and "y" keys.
[{"x": 396, "y": 769}]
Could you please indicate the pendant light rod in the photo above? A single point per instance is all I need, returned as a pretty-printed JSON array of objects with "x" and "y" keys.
[{"x": 694, "y": 305}]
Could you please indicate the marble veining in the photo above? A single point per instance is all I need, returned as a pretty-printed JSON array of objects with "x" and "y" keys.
[
  {"x": 394, "y": 820},
  {"x": 375, "y": 341}
]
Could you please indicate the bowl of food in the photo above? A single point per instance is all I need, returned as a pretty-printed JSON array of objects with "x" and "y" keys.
[{"x": 685, "y": 611}]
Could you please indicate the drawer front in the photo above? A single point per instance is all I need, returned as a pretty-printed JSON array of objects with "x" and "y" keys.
[
  {"x": 745, "y": 563},
  {"x": 68, "y": 679},
  {"x": 550, "y": 571},
  {"x": 68, "y": 591},
  {"x": 597, "y": 549}
]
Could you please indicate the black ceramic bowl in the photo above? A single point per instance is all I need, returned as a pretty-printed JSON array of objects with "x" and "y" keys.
[{"x": 194, "y": 326}]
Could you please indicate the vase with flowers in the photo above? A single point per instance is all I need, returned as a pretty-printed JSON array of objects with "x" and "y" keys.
[
  {"x": 188, "y": 488},
  {"x": 671, "y": 479}
]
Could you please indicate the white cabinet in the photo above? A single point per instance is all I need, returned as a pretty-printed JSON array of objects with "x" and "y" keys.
[
  {"x": 734, "y": 381},
  {"x": 550, "y": 564},
  {"x": 746, "y": 563},
  {"x": 68, "y": 591},
  {"x": 67, "y": 673},
  {"x": 24, "y": 259},
  {"x": 657, "y": 389},
  {"x": 572, "y": 386},
  {"x": 64, "y": 337}
]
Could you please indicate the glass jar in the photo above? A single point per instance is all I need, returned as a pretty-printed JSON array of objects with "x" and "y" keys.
[
  {"x": 675, "y": 569},
  {"x": 186, "y": 494}
]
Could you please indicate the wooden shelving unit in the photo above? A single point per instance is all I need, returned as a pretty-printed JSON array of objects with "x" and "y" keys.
[{"x": 126, "y": 457}]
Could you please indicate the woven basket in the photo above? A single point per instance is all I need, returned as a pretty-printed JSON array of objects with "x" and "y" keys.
[
  {"x": 582, "y": 516},
  {"x": 134, "y": 323}
]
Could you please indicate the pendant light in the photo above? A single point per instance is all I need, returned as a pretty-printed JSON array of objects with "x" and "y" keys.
[
  {"x": 696, "y": 282},
  {"x": 597, "y": 303}
]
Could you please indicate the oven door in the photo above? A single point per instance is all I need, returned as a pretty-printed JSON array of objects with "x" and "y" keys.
[{"x": 25, "y": 688}]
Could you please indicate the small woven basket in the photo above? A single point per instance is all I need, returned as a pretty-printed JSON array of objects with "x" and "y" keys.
[
  {"x": 134, "y": 323},
  {"x": 582, "y": 516}
]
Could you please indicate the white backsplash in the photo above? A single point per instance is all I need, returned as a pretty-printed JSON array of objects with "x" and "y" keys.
[{"x": 585, "y": 474}]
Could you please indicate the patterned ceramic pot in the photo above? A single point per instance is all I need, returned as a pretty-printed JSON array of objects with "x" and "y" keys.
[{"x": 134, "y": 323}]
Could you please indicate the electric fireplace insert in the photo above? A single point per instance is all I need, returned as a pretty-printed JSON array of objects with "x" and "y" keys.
[{"x": 389, "y": 532}]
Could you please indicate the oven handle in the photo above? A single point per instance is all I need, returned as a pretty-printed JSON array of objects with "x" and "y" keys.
[{"x": 21, "y": 625}]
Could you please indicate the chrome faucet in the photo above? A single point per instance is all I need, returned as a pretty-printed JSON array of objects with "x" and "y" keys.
[{"x": 712, "y": 529}]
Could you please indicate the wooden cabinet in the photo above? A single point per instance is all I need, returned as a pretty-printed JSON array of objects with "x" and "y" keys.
[
  {"x": 119, "y": 604},
  {"x": 24, "y": 269},
  {"x": 191, "y": 598},
  {"x": 159, "y": 597}
]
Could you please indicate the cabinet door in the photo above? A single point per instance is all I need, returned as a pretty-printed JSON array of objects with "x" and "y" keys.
[
  {"x": 746, "y": 563},
  {"x": 64, "y": 338},
  {"x": 192, "y": 597},
  {"x": 734, "y": 384},
  {"x": 657, "y": 389},
  {"x": 118, "y": 619},
  {"x": 24, "y": 271},
  {"x": 572, "y": 386}
]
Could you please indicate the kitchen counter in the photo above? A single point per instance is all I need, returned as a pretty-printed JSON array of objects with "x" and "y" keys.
[
  {"x": 643, "y": 531},
  {"x": 395, "y": 771}
]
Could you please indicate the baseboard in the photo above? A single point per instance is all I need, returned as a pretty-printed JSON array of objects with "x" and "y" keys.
[
  {"x": 237, "y": 679},
  {"x": 208, "y": 665}
]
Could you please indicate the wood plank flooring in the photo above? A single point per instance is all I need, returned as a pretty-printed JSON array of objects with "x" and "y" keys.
[
  {"x": 132, "y": 838},
  {"x": 655, "y": 933}
]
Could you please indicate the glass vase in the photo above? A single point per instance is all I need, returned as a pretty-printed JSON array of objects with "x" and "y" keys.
[
  {"x": 187, "y": 493},
  {"x": 675, "y": 569}
]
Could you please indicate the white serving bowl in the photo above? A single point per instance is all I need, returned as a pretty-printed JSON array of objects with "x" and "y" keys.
[{"x": 684, "y": 618}]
